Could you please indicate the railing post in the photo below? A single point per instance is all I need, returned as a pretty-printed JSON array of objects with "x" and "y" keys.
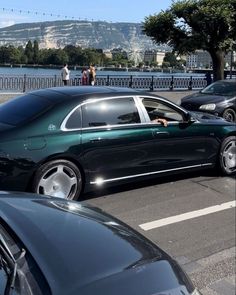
[
  {"x": 24, "y": 83},
  {"x": 152, "y": 84},
  {"x": 172, "y": 83},
  {"x": 190, "y": 85},
  {"x": 131, "y": 81},
  {"x": 55, "y": 80},
  {"x": 108, "y": 81}
]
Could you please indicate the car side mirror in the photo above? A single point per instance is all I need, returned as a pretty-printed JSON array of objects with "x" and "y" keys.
[{"x": 188, "y": 118}]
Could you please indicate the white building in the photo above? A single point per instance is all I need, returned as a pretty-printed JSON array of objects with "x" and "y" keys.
[{"x": 202, "y": 59}]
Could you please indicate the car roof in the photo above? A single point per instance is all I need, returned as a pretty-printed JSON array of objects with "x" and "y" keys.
[
  {"x": 73, "y": 238},
  {"x": 58, "y": 94}
]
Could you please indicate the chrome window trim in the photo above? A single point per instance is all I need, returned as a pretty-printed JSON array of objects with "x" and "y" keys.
[
  {"x": 141, "y": 110},
  {"x": 63, "y": 124},
  {"x": 99, "y": 182}
]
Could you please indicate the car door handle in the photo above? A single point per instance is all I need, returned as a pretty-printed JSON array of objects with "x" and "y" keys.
[
  {"x": 96, "y": 139},
  {"x": 162, "y": 133}
]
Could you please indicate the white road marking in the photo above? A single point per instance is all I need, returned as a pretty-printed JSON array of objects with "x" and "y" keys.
[{"x": 186, "y": 216}]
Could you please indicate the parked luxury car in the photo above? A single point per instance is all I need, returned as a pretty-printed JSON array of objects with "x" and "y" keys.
[
  {"x": 218, "y": 98},
  {"x": 60, "y": 141},
  {"x": 53, "y": 246}
]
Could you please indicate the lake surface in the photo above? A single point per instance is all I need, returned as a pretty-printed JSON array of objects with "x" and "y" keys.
[{"x": 77, "y": 72}]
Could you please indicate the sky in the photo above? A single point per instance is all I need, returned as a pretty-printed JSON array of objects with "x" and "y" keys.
[{"x": 22, "y": 11}]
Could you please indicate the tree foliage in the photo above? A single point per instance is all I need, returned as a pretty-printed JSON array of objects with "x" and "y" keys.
[
  {"x": 70, "y": 54},
  {"x": 189, "y": 25}
]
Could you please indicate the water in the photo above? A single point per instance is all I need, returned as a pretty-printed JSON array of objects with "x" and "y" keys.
[{"x": 77, "y": 72}]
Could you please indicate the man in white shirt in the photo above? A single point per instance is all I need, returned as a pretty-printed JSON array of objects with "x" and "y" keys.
[{"x": 65, "y": 74}]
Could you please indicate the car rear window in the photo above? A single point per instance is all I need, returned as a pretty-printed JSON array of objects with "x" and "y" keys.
[{"x": 22, "y": 109}]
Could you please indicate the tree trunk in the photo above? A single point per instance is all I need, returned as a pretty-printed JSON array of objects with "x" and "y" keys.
[{"x": 218, "y": 63}]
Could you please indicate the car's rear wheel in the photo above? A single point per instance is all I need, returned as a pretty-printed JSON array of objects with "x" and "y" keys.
[
  {"x": 58, "y": 178},
  {"x": 229, "y": 115},
  {"x": 228, "y": 155}
]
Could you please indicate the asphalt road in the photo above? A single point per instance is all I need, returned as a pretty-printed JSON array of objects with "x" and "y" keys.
[{"x": 204, "y": 245}]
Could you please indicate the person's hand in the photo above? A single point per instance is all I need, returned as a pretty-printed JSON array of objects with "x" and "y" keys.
[{"x": 162, "y": 121}]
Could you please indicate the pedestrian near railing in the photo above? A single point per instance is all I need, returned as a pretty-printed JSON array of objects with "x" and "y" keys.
[{"x": 25, "y": 83}]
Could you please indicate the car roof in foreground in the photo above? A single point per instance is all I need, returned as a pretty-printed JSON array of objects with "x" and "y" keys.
[{"x": 75, "y": 239}]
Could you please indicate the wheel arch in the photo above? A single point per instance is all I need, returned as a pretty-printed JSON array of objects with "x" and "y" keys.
[{"x": 53, "y": 158}]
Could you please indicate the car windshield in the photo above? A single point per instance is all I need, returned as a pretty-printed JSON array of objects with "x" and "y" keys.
[
  {"x": 22, "y": 109},
  {"x": 221, "y": 88}
]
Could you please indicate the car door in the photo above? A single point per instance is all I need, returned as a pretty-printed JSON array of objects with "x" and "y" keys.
[
  {"x": 182, "y": 144},
  {"x": 115, "y": 143}
]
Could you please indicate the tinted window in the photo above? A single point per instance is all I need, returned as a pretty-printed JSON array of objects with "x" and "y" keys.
[
  {"x": 157, "y": 109},
  {"x": 23, "y": 108},
  {"x": 74, "y": 120},
  {"x": 110, "y": 112}
]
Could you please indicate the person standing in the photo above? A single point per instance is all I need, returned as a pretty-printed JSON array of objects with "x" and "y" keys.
[
  {"x": 84, "y": 77},
  {"x": 92, "y": 75},
  {"x": 65, "y": 74}
]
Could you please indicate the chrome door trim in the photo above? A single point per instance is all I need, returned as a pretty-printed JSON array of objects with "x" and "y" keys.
[{"x": 100, "y": 181}]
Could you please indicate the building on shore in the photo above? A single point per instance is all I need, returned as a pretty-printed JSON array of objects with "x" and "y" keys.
[
  {"x": 202, "y": 59},
  {"x": 154, "y": 56}
]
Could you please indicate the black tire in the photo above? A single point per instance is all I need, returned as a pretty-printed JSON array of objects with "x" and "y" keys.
[
  {"x": 228, "y": 155},
  {"x": 58, "y": 178},
  {"x": 229, "y": 115}
]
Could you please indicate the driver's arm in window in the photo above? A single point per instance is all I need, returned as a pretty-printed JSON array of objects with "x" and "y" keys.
[{"x": 160, "y": 120}]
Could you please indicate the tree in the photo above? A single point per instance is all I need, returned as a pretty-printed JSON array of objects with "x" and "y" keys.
[
  {"x": 29, "y": 52},
  {"x": 189, "y": 25},
  {"x": 36, "y": 52},
  {"x": 170, "y": 58}
]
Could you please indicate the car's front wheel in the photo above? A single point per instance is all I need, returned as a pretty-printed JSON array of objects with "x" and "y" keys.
[
  {"x": 229, "y": 115},
  {"x": 228, "y": 155},
  {"x": 58, "y": 178}
]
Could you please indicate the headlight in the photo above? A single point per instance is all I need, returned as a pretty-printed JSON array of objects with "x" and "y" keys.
[
  {"x": 196, "y": 292},
  {"x": 208, "y": 107}
]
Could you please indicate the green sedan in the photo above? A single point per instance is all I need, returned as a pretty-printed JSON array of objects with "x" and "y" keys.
[{"x": 66, "y": 140}]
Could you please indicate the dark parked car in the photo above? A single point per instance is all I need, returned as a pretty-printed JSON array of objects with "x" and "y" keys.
[
  {"x": 219, "y": 98},
  {"x": 60, "y": 141},
  {"x": 55, "y": 246}
]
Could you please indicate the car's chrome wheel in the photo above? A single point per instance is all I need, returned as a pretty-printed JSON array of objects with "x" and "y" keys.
[
  {"x": 59, "y": 178},
  {"x": 229, "y": 115},
  {"x": 228, "y": 155}
]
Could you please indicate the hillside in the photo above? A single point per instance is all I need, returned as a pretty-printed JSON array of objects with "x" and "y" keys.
[{"x": 97, "y": 34}]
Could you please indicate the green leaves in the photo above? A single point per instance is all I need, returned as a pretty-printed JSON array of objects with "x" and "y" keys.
[{"x": 189, "y": 25}]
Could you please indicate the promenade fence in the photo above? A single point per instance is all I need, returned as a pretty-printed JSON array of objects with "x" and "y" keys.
[{"x": 24, "y": 83}]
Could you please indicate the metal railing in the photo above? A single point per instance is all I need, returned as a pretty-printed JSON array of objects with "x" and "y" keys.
[{"x": 25, "y": 83}]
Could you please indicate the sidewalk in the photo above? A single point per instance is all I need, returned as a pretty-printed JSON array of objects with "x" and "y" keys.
[{"x": 173, "y": 95}]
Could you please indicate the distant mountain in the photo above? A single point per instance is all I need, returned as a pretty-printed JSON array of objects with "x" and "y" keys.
[{"x": 86, "y": 34}]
